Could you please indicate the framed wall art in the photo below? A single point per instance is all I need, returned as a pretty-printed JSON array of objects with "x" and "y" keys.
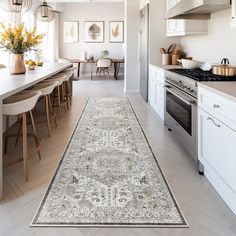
[
  {"x": 94, "y": 31},
  {"x": 71, "y": 32},
  {"x": 116, "y": 31}
]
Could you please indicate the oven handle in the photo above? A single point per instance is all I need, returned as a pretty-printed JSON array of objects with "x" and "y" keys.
[{"x": 168, "y": 88}]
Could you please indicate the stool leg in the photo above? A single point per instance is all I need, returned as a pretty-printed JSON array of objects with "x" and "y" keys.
[
  {"x": 37, "y": 141},
  {"x": 52, "y": 111},
  {"x": 48, "y": 115},
  {"x": 67, "y": 85},
  {"x": 63, "y": 95},
  {"x": 70, "y": 83},
  {"x": 25, "y": 147},
  {"x": 59, "y": 100},
  {"x": 19, "y": 131},
  {"x": 6, "y": 138}
]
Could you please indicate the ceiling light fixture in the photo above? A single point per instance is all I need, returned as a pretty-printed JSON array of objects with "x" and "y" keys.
[
  {"x": 16, "y": 5},
  {"x": 45, "y": 13}
]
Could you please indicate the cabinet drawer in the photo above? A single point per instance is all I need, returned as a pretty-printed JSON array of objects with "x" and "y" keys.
[
  {"x": 217, "y": 146},
  {"x": 157, "y": 73},
  {"x": 220, "y": 107}
]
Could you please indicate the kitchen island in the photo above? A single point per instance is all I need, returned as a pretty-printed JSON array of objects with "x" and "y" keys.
[{"x": 12, "y": 84}]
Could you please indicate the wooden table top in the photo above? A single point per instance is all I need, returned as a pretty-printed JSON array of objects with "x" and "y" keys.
[
  {"x": 89, "y": 61},
  {"x": 11, "y": 84}
]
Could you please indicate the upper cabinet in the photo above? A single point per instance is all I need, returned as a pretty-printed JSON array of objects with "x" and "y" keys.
[
  {"x": 143, "y": 3},
  {"x": 184, "y": 27}
]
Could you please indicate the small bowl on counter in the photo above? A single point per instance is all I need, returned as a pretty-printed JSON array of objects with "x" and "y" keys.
[
  {"x": 31, "y": 67},
  {"x": 190, "y": 64}
]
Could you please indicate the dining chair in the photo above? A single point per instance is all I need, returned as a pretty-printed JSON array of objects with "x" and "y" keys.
[{"x": 103, "y": 65}]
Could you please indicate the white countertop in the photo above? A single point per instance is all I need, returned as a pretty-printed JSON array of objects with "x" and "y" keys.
[
  {"x": 11, "y": 84},
  {"x": 225, "y": 89}
]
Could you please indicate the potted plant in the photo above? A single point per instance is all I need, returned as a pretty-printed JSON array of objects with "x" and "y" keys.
[
  {"x": 105, "y": 53},
  {"x": 18, "y": 40}
]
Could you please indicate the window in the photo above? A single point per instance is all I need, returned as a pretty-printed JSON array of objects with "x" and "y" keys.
[
  {"x": 4, "y": 56},
  {"x": 49, "y": 46}
]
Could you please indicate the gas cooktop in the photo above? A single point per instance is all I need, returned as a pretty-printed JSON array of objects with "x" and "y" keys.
[{"x": 202, "y": 76}]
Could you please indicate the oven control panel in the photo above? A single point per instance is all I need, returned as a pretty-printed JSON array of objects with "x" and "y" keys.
[{"x": 190, "y": 88}]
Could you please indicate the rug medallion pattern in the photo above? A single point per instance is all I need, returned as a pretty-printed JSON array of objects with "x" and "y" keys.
[{"x": 109, "y": 175}]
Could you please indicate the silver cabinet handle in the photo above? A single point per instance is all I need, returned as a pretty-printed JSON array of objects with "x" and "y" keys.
[
  {"x": 216, "y": 106},
  {"x": 209, "y": 118}
]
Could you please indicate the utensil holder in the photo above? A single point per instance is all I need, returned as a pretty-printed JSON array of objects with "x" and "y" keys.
[
  {"x": 166, "y": 59},
  {"x": 175, "y": 58}
]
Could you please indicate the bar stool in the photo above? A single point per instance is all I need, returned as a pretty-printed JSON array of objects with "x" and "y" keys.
[
  {"x": 59, "y": 88},
  {"x": 67, "y": 86},
  {"x": 21, "y": 104},
  {"x": 46, "y": 89}
]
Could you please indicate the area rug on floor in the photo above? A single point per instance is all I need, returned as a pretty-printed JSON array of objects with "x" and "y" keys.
[{"x": 109, "y": 175}]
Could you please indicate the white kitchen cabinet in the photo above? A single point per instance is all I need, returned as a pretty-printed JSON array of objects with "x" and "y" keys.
[
  {"x": 156, "y": 89},
  {"x": 217, "y": 147},
  {"x": 184, "y": 27}
]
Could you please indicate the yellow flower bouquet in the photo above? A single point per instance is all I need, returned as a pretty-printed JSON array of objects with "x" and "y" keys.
[{"x": 18, "y": 39}]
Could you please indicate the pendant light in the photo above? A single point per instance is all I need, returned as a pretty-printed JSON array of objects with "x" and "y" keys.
[
  {"x": 45, "y": 13},
  {"x": 16, "y": 5}
]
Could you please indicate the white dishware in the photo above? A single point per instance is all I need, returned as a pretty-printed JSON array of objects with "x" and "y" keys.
[{"x": 190, "y": 64}]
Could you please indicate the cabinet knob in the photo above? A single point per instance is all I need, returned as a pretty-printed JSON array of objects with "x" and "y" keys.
[{"x": 216, "y": 106}]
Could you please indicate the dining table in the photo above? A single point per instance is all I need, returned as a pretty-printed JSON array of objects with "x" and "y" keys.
[
  {"x": 116, "y": 62},
  {"x": 12, "y": 84}
]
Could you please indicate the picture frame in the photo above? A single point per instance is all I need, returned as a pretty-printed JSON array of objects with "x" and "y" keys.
[
  {"x": 94, "y": 31},
  {"x": 71, "y": 32},
  {"x": 116, "y": 31}
]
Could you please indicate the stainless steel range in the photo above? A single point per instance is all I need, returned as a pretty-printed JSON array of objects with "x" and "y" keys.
[{"x": 181, "y": 93}]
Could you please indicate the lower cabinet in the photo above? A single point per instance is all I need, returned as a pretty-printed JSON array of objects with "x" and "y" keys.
[
  {"x": 156, "y": 89},
  {"x": 217, "y": 152}
]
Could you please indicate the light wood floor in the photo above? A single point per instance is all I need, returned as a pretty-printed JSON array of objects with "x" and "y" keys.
[{"x": 204, "y": 210}]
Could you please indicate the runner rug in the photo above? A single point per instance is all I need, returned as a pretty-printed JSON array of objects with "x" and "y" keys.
[{"x": 109, "y": 175}]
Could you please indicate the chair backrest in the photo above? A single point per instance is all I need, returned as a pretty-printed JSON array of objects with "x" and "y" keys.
[
  {"x": 2, "y": 66},
  {"x": 21, "y": 103},
  {"x": 104, "y": 62},
  {"x": 45, "y": 88}
]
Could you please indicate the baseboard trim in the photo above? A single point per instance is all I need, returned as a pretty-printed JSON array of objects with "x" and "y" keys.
[{"x": 130, "y": 91}]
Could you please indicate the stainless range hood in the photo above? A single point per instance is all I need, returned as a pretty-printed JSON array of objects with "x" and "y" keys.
[{"x": 196, "y": 9}]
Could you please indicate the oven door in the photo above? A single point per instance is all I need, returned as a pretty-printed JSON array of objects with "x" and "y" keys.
[{"x": 181, "y": 117}]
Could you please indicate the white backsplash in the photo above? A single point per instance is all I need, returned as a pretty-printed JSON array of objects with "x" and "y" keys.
[{"x": 219, "y": 43}]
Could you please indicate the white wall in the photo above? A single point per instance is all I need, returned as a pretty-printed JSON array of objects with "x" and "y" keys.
[
  {"x": 158, "y": 37},
  {"x": 131, "y": 48},
  {"x": 219, "y": 43},
  {"x": 90, "y": 12}
]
